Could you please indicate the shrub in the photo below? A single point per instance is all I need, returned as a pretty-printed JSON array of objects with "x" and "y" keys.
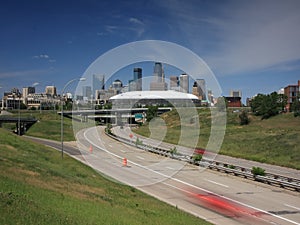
[
  {"x": 138, "y": 142},
  {"x": 173, "y": 151},
  {"x": 244, "y": 119},
  {"x": 197, "y": 158},
  {"x": 231, "y": 167},
  {"x": 258, "y": 171}
]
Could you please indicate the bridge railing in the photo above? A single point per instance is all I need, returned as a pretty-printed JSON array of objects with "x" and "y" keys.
[{"x": 268, "y": 178}]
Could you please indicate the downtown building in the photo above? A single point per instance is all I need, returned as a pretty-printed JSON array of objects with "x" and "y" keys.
[
  {"x": 184, "y": 83},
  {"x": 29, "y": 99},
  {"x": 136, "y": 84},
  {"x": 234, "y": 99},
  {"x": 199, "y": 89},
  {"x": 292, "y": 93},
  {"x": 158, "y": 83}
]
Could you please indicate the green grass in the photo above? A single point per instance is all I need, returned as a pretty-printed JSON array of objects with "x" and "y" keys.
[
  {"x": 38, "y": 187},
  {"x": 49, "y": 125},
  {"x": 273, "y": 141}
]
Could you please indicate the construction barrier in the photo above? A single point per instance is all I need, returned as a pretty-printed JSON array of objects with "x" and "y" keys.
[{"x": 124, "y": 162}]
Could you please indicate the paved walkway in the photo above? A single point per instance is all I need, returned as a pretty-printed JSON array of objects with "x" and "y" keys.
[{"x": 127, "y": 133}]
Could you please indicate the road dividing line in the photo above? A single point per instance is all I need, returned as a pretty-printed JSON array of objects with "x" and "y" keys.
[
  {"x": 123, "y": 151},
  {"x": 293, "y": 207},
  {"x": 211, "y": 181},
  {"x": 170, "y": 168},
  {"x": 140, "y": 157},
  {"x": 110, "y": 146},
  {"x": 181, "y": 181}
]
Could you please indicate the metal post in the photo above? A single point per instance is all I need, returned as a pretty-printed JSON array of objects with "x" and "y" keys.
[
  {"x": 62, "y": 128},
  {"x": 19, "y": 120}
]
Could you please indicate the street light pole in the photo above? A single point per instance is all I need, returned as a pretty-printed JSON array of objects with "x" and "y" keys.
[
  {"x": 19, "y": 119},
  {"x": 62, "y": 113}
]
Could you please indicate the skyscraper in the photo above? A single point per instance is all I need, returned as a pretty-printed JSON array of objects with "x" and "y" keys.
[
  {"x": 158, "y": 83},
  {"x": 195, "y": 89},
  {"x": 98, "y": 82},
  {"x": 184, "y": 83},
  {"x": 131, "y": 85},
  {"x": 158, "y": 72},
  {"x": 87, "y": 92},
  {"x": 28, "y": 90},
  {"x": 201, "y": 88},
  {"x": 117, "y": 85},
  {"x": 174, "y": 83},
  {"x": 137, "y": 78},
  {"x": 50, "y": 90}
]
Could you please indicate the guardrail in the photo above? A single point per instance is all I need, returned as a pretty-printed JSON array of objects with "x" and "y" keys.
[{"x": 268, "y": 178}]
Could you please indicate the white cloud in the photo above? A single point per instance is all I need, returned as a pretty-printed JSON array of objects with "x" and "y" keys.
[
  {"x": 241, "y": 36},
  {"x": 110, "y": 28},
  {"x": 137, "y": 27},
  {"x": 44, "y": 56},
  {"x": 135, "y": 21},
  {"x": 35, "y": 84}
]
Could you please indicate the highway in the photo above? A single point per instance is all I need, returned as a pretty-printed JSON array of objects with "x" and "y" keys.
[
  {"x": 284, "y": 171},
  {"x": 217, "y": 197}
]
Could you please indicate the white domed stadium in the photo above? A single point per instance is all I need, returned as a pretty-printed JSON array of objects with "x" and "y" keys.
[{"x": 135, "y": 99}]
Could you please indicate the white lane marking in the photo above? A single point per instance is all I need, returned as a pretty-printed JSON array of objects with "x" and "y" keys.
[
  {"x": 110, "y": 146},
  {"x": 170, "y": 168},
  {"x": 183, "y": 182},
  {"x": 214, "y": 182},
  {"x": 140, "y": 157},
  {"x": 191, "y": 193},
  {"x": 293, "y": 207},
  {"x": 123, "y": 151}
]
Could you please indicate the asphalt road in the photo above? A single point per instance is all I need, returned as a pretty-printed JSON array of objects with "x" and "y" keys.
[
  {"x": 216, "y": 197},
  {"x": 126, "y": 131}
]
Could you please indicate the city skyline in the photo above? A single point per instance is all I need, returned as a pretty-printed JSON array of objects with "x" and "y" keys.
[
  {"x": 250, "y": 46},
  {"x": 180, "y": 85}
]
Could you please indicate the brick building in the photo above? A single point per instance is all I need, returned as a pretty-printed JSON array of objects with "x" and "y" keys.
[{"x": 291, "y": 91}]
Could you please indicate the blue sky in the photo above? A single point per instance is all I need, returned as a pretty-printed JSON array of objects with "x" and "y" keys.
[{"x": 252, "y": 46}]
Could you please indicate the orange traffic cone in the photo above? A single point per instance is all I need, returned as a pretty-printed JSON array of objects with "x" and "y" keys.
[
  {"x": 91, "y": 148},
  {"x": 125, "y": 162}
]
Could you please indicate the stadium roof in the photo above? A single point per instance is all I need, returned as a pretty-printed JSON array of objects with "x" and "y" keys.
[{"x": 154, "y": 95}]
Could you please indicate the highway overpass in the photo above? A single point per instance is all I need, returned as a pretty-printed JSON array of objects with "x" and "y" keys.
[
  {"x": 22, "y": 124},
  {"x": 114, "y": 116}
]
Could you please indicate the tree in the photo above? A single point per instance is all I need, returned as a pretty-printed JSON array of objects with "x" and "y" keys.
[
  {"x": 296, "y": 106},
  {"x": 282, "y": 101},
  {"x": 269, "y": 105},
  {"x": 108, "y": 128},
  {"x": 151, "y": 112},
  {"x": 244, "y": 119},
  {"x": 108, "y": 105}
]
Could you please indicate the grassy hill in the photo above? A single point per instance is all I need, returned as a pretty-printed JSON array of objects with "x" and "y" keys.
[
  {"x": 38, "y": 187},
  {"x": 49, "y": 125},
  {"x": 274, "y": 141}
]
